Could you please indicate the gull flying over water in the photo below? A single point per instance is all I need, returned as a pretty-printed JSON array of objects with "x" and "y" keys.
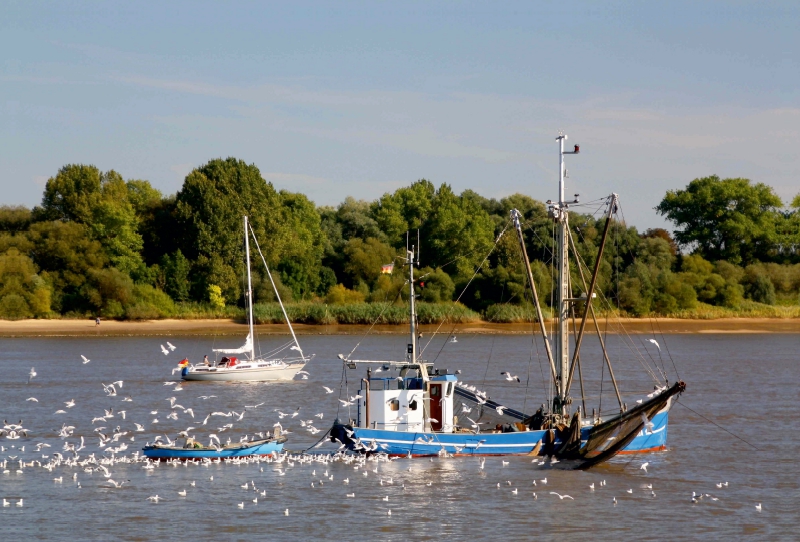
[
  {"x": 562, "y": 497},
  {"x": 85, "y": 359}
]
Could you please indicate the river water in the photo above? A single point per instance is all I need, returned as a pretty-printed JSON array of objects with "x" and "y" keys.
[{"x": 747, "y": 384}]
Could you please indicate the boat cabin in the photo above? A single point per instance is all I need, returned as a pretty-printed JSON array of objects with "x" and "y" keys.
[{"x": 408, "y": 402}]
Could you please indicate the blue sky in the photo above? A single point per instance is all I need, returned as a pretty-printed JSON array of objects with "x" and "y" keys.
[{"x": 349, "y": 98}]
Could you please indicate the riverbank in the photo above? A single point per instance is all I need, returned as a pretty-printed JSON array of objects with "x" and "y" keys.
[{"x": 169, "y": 328}]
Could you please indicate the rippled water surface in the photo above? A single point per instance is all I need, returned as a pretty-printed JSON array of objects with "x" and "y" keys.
[{"x": 746, "y": 383}]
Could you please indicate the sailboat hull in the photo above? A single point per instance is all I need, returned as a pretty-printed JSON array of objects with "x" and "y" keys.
[
  {"x": 420, "y": 444},
  {"x": 244, "y": 374}
]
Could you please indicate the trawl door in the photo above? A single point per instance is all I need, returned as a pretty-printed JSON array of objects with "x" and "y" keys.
[{"x": 436, "y": 407}]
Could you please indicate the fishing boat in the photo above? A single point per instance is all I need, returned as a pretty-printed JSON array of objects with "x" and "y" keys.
[
  {"x": 422, "y": 410},
  {"x": 282, "y": 363},
  {"x": 194, "y": 451}
]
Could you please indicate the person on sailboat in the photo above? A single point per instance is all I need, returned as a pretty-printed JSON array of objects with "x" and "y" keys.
[{"x": 206, "y": 362}]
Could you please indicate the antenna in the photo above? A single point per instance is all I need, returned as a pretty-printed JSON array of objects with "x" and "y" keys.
[
  {"x": 406, "y": 243},
  {"x": 419, "y": 247}
]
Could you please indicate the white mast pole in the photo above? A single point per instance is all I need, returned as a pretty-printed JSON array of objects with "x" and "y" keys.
[
  {"x": 563, "y": 281},
  {"x": 410, "y": 256},
  {"x": 249, "y": 290}
]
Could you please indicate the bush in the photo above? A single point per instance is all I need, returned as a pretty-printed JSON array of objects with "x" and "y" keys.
[
  {"x": 149, "y": 304},
  {"x": 761, "y": 290},
  {"x": 14, "y": 307},
  {"x": 436, "y": 287},
  {"x": 339, "y": 295},
  {"x": 215, "y": 296}
]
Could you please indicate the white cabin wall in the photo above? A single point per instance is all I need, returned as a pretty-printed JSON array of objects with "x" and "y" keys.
[{"x": 381, "y": 416}]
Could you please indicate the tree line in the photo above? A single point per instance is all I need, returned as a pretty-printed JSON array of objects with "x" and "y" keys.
[{"x": 100, "y": 245}]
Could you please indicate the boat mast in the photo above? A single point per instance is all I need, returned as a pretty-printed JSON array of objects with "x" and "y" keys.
[
  {"x": 277, "y": 294},
  {"x": 559, "y": 212},
  {"x": 412, "y": 346},
  {"x": 249, "y": 290}
]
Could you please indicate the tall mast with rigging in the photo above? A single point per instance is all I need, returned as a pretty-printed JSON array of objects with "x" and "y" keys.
[
  {"x": 412, "y": 346},
  {"x": 559, "y": 212},
  {"x": 249, "y": 290}
]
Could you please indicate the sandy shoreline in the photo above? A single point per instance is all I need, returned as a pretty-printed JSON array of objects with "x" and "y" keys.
[{"x": 167, "y": 328}]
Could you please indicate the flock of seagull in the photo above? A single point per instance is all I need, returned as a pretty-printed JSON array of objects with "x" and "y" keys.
[{"x": 79, "y": 459}]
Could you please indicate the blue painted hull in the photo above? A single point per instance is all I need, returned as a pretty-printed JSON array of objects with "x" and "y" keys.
[
  {"x": 164, "y": 452},
  {"x": 397, "y": 443}
]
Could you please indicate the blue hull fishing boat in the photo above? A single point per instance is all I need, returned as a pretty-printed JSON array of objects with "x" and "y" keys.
[
  {"x": 425, "y": 411},
  {"x": 256, "y": 447}
]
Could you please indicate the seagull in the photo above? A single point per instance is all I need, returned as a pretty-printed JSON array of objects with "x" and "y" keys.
[
  {"x": 70, "y": 403},
  {"x": 31, "y": 375},
  {"x": 655, "y": 343},
  {"x": 240, "y": 505},
  {"x": 286, "y": 512},
  {"x": 327, "y": 389},
  {"x": 629, "y": 490},
  {"x": 164, "y": 350},
  {"x": 119, "y": 485},
  {"x": 514, "y": 491},
  {"x": 562, "y": 497},
  {"x": 510, "y": 377},
  {"x": 644, "y": 466},
  {"x": 351, "y": 494},
  {"x": 647, "y": 425},
  {"x": 453, "y": 339},
  {"x": 758, "y": 507},
  {"x": 154, "y": 498},
  {"x": 85, "y": 359},
  {"x": 500, "y": 409},
  {"x": 182, "y": 492},
  {"x": 171, "y": 346},
  {"x": 34, "y": 399}
]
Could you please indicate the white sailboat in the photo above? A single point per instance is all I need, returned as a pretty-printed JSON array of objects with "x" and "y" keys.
[{"x": 282, "y": 363}]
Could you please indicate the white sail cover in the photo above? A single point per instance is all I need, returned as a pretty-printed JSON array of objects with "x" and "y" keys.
[{"x": 247, "y": 348}]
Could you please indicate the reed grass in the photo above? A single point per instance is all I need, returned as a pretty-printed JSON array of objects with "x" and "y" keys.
[{"x": 363, "y": 313}]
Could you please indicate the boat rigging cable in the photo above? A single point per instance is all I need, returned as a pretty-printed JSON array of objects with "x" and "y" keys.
[
  {"x": 626, "y": 338},
  {"x": 477, "y": 270}
]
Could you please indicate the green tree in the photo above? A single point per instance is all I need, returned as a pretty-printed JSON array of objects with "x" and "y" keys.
[
  {"x": 459, "y": 233},
  {"x": 65, "y": 252},
  {"x": 436, "y": 286},
  {"x": 22, "y": 292},
  {"x": 176, "y": 275},
  {"x": 82, "y": 194},
  {"x": 366, "y": 258},
  {"x": 209, "y": 210},
  {"x": 407, "y": 209},
  {"x": 14, "y": 219},
  {"x": 727, "y": 219}
]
